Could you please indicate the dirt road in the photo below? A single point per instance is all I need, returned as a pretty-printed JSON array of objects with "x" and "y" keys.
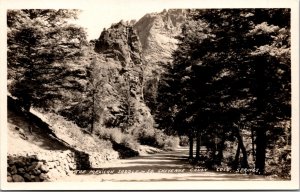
[{"x": 163, "y": 166}]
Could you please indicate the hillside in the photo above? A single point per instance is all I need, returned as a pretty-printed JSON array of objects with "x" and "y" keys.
[
  {"x": 27, "y": 133},
  {"x": 116, "y": 120},
  {"x": 58, "y": 144}
]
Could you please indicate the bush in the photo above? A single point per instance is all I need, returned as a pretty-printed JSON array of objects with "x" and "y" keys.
[
  {"x": 279, "y": 164},
  {"x": 171, "y": 142},
  {"x": 117, "y": 136},
  {"x": 155, "y": 137},
  {"x": 184, "y": 140},
  {"x": 129, "y": 141},
  {"x": 110, "y": 134},
  {"x": 148, "y": 137}
]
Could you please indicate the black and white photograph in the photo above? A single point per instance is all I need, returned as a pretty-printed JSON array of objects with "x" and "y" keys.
[{"x": 149, "y": 95}]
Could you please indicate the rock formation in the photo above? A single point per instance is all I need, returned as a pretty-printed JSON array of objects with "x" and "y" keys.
[
  {"x": 157, "y": 32},
  {"x": 122, "y": 63},
  {"x": 121, "y": 43}
]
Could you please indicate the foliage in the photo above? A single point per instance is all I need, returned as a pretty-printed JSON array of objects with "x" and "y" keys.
[
  {"x": 42, "y": 47},
  {"x": 231, "y": 72},
  {"x": 230, "y": 82},
  {"x": 171, "y": 142},
  {"x": 154, "y": 137},
  {"x": 117, "y": 136},
  {"x": 183, "y": 140}
]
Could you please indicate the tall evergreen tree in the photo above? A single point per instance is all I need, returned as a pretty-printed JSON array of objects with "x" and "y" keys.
[
  {"x": 42, "y": 47},
  {"x": 233, "y": 63}
]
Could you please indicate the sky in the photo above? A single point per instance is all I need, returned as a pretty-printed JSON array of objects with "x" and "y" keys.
[{"x": 95, "y": 18}]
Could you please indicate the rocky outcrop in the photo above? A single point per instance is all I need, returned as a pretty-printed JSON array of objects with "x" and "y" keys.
[
  {"x": 131, "y": 58},
  {"x": 157, "y": 32},
  {"x": 121, "y": 43},
  {"x": 121, "y": 70}
]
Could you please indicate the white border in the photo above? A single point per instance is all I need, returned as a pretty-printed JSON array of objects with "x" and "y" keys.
[{"x": 204, "y": 185}]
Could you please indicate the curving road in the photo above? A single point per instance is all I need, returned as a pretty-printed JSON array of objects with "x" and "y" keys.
[{"x": 163, "y": 166}]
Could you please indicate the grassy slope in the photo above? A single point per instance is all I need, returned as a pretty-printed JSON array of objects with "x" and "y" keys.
[
  {"x": 27, "y": 133},
  {"x": 26, "y": 136}
]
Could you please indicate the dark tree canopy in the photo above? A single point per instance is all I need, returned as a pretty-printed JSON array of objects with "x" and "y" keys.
[
  {"x": 42, "y": 47},
  {"x": 232, "y": 67}
]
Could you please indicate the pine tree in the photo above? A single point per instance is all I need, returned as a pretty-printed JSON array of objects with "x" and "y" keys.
[
  {"x": 42, "y": 47},
  {"x": 233, "y": 63}
]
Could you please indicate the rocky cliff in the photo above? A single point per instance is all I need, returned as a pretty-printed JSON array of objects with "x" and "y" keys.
[
  {"x": 121, "y": 66},
  {"x": 120, "y": 42},
  {"x": 157, "y": 33}
]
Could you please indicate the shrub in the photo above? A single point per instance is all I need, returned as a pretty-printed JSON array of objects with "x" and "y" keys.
[
  {"x": 116, "y": 135},
  {"x": 171, "y": 142},
  {"x": 279, "y": 163},
  {"x": 154, "y": 137},
  {"x": 129, "y": 141},
  {"x": 184, "y": 140},
  {"x": 147, "y": 137}
]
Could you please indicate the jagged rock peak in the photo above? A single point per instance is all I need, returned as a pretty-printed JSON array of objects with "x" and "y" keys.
[
  {"x": 120, "y": 42},
  {"x": 171, "y": 17},
  {"x": 156, "y": 32}
]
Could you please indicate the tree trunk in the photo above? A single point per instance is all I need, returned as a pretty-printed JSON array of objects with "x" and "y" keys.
[
  {"x": 27, "y": 106},
  {"x": 220, "y": 151},
  {"x": 198, "y": 143},
  {"x": 191, "y": 142},
  {"x": 244, "y": 151},
  {"x": 253, "y": 145},
  {"x": 260, "y": 142},
  {"x": 260, "y": 150},
  {"x": 142, "y": 83},
  {"x": 128, "y": 99},
  {"x": 25, "y": 101},
  {"x": 237, "y": 157}
]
